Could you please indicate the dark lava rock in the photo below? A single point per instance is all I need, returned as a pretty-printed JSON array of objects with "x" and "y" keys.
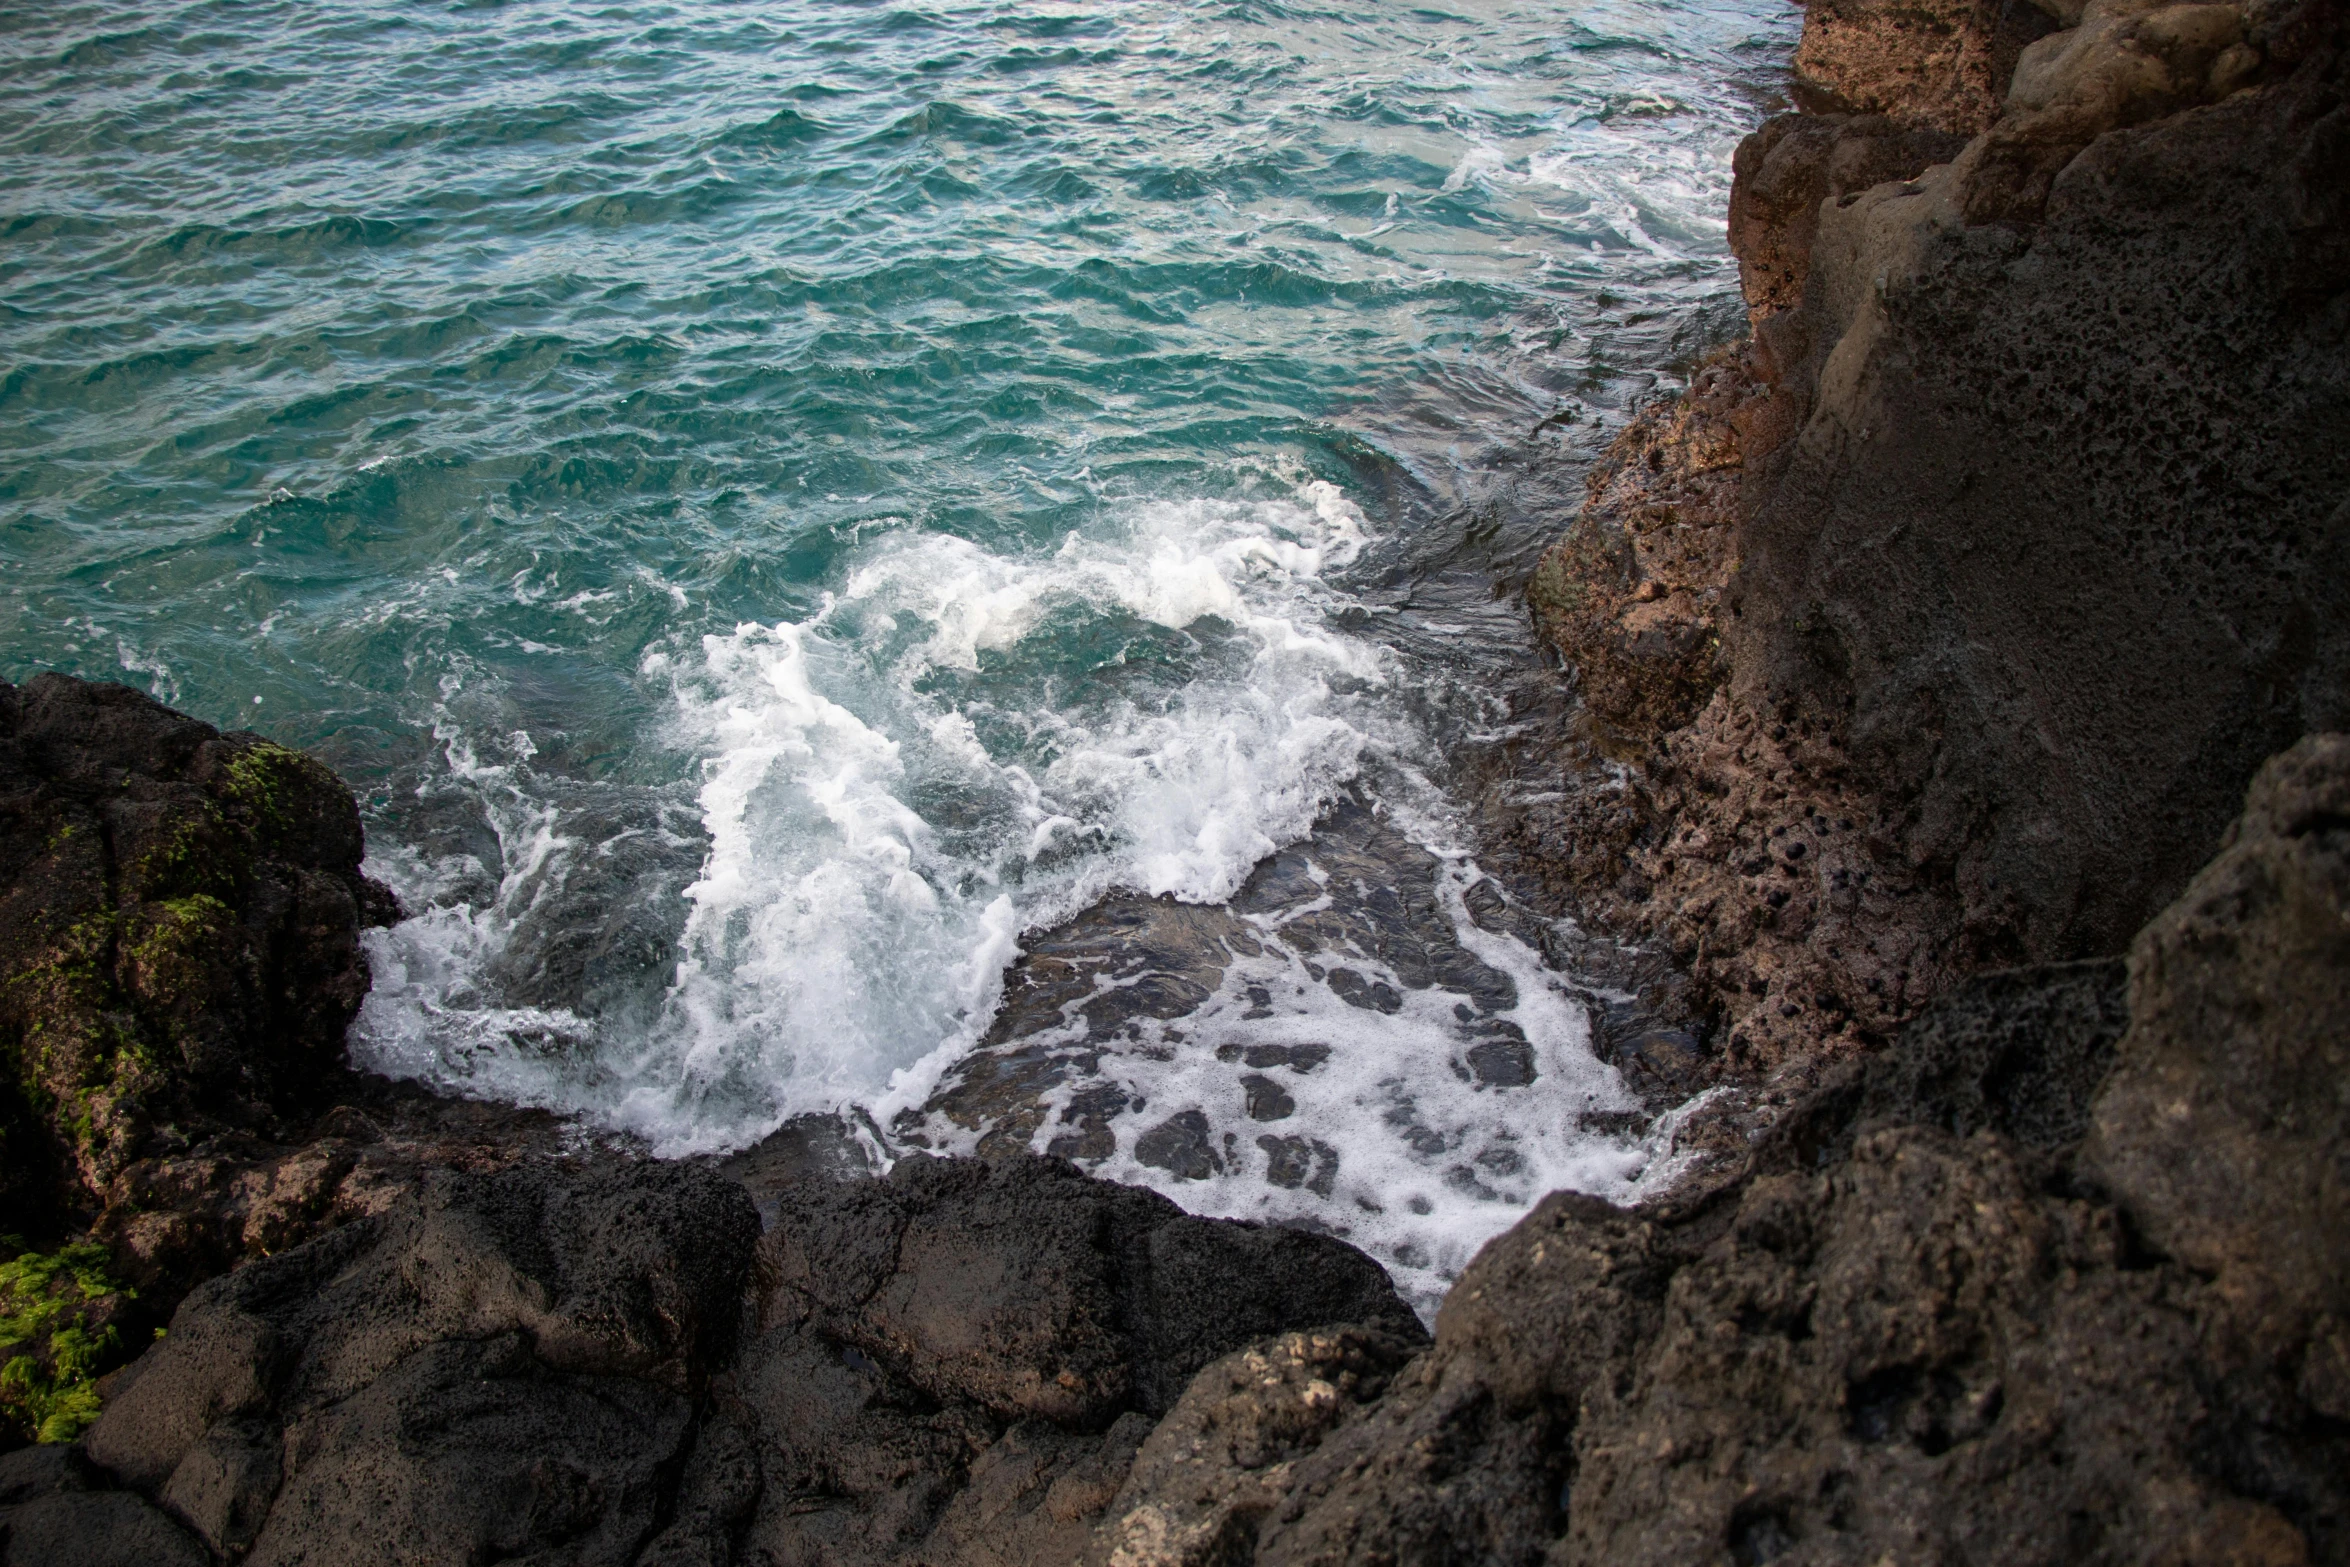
[
  {"x": 957, "y": 1362},
  {"x": 1922, "y": 1324},
  {"x": 2225, "y": 1130},
  {"x": 952, "y": 1365},
  {"x": 1182, "y": 1145},
  {"x": 2048, "y": 532},
  {"x": 509, "y": 1364},
  {"x": 1203, "y": 1484},
  {"x": 55, "y": 1509},
  {"x": 2020, "y": 1052},
  {"x": 179, "y": 937}
]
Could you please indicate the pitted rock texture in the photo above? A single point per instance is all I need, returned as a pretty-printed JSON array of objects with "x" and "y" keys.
[
  {"x": 1785, "y": 170},
  {"x": 2038, "y": 539},
  {"x": 1208, "y": 1479},
  {"x": 2054, "y": 586},
  {"x": 1938, "y": 64},
  {"x": 1631, "y": 595},
  {"x": 56, "y": 1508},
  {"x": 957, "y": 1363},
  {"x": 509, "y": 1364},
  {"x": 2225, "y": 1132},
  {"x": 953, "y": 1366},
  {"x": 179, "y": 938},
  {"x": 1924, "y": 1323}
]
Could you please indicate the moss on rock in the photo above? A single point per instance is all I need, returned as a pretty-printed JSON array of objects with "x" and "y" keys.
[
  {"x": 179, "y": 949},
  {"x": 58, "y": 1335}
]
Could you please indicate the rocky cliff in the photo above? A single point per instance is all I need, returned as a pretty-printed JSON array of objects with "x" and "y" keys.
[
  {"x": 1924, "y": 654},
  {"x": 1942, "y": 624},
  {"x": 2058, "y": 1278}
]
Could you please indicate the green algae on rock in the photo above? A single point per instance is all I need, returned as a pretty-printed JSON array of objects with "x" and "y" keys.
[
  {"x": 178, "y": 937},
  {"x": 58, "y": 1334}
]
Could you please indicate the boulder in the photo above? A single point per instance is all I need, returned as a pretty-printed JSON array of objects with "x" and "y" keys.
[
  {"x": 957, "y": 1363},
  {"x": 2225, "y": 1132},
  {"x": 54, "y": 1509},
  {"x": 506, "y": 1364},
  {"x": 180, "y": 912}
]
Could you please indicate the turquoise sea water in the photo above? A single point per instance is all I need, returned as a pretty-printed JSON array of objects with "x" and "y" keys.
[{"x": 770, "y": 502}]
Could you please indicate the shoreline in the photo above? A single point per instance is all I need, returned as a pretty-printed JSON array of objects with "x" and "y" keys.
[{"x": 1945, "y": 765}]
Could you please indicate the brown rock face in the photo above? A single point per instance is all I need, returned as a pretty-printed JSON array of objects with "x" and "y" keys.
[
  {"x": 1632, "y": 592},
  {"x": 2036, "y": 545},
  {"x": 178, "y": 936},
  {"x": 2054, "y": 585},
  {"x": 1784, "y": 171},
  {"x": 1940, "y": 64},
  {"x": 1915, "y": 1327}
]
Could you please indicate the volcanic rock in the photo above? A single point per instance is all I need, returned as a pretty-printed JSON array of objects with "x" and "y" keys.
[
  {"x": 179, "y": 937},
  {"x": 1924, "y": 1322},
  {"x": 508, "y": 1364},
  {"x": 2022, "y": 528},
  {"x": 957, "y": 1364}
]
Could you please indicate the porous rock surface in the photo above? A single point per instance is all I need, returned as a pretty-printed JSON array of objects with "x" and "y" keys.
[
  {"x": 953, "y": 1364},
  {"x": 179, "y": 937},
  {"x": 957, "y": 1364},
  {"x": 1925, "y": 1322},
  {"x": 1937, "y": 64},
  {"x": 181, "y": 916},
  {"x": 1989, "y": 570}
]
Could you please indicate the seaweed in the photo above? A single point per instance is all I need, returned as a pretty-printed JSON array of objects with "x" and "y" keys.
[{"x": 54, "y": 1341}]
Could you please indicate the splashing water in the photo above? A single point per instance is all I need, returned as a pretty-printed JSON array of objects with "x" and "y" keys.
[{"x": 777, "y": 510}]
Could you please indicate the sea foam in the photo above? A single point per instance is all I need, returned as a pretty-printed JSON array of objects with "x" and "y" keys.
[{"x": 882, "y": 827}]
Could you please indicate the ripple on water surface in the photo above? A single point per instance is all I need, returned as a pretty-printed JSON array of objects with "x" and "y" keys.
[{"x": 777, "y": 505}]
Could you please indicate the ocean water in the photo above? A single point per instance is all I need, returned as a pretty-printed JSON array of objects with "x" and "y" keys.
[{"x": 777, "y": 506}]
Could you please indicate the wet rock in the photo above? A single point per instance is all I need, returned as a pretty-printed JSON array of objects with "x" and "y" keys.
[
  {"x": 1662, "y": 1062},
  {"x": 179, "y": 937},
  {"x": 1300, "y": 1161},
  {"x": 508, "y": 1363},
  {"x": 1267, "y": 1100},
  {"x": 1071, "y": 998},
  {"x": 1170, "y": 1034},
  {"x": 1373, "y": 995},
  {"x": 1923, "y": 1321},
  {"x": 957, "y": 1363},
  {"x": 804, "y": 1146},
  {"x": 1183, "y": 1145},
  {"x": 1503, "y": 1061}
]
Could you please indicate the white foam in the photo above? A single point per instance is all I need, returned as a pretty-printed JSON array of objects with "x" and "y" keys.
[
  {"x": 879, "y": 842},
  {"x": 897, "y": 787},
  {"x": 1430, "y": 1161}
]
